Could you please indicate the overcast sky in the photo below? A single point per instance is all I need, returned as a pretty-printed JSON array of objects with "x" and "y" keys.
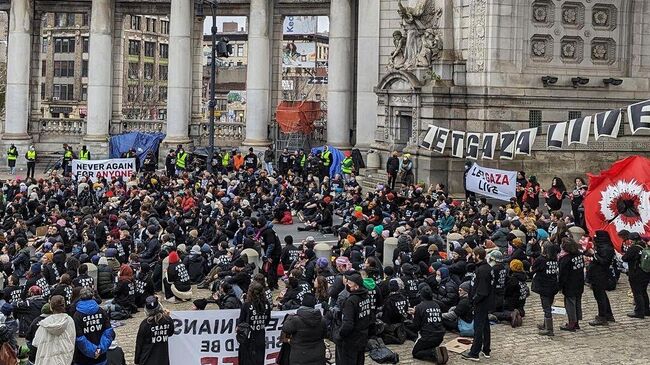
[{"x": 323, "y": 23}]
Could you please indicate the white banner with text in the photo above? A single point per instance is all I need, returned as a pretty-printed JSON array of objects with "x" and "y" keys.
[
  {"x": 111, "y": 169},
  {"x": 493, "y": 183}
]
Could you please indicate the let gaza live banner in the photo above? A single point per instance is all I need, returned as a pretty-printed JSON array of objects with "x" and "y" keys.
[
  {"x": 208, "y": 337},
  {"x": 497, "y": 184},
  {"x": 104, "y": 169}
]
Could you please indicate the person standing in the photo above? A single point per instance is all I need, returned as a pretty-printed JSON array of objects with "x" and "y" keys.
[
  {"x": 598, "y": 274},
  {"x": 84, "y": 154},
  {"x": 299, "y": 163},
  {"x": 269, "y": 156},
  {"x": 482, "y": 298},
  {"x": 638, "y": 277},
  {"x": 326, "y": 157},
  {"x": 250, "y": 161},
  {"x": 31, "y": 161},
  {"x": 545, "y": 284},
  {"x": 152, "y": 342},
  {"x": 355, "y": 321},
  {"x": 170, "y": 163},
  {"x": 93, "y": 329},
  {"x": 427, "y": 320},
  {"x": 256, "y": 312},
  {"x": 55, "y": 336},
  {"x": 306, "y": 331},
  {"x": 577, "y": 198},
  {"x": 571, "y": 280},
  {"x": 392, "y": 168},
  {"x": 12, "y": 155},
  {"x": 68, "y": 156},
  {"x": 181, "y": 160},
  {"x": 347, "y": 165}
]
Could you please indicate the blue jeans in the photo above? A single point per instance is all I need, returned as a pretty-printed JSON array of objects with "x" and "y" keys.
[{"x": 268, "y": 166}]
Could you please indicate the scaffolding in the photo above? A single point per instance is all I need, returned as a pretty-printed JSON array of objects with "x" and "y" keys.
[{"x": 295, "y": 120}]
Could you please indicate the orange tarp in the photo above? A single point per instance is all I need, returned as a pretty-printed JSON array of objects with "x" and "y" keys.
[{"x": 297, "y": 116}]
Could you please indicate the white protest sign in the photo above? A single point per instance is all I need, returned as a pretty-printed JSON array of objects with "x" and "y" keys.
[
  {"x": 108, "y": 169},
  {"x": 497, "y": 184},
  {"x": 209, "y": 337}
]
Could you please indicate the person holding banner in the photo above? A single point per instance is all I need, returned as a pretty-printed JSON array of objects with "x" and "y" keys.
[{"x": 256, "y": 315}]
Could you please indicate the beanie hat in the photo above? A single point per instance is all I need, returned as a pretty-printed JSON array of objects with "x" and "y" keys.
[
  {"x": 152, "y": 306},
  {"x": 342, "y": 261},
  {"x": 322, "y": 262},
  {"x": 206, "y": 248},
  {"x": 444, "y": 272},
  {"x": 111, "y": 252},
  {"x": 517, "y": 242},
  {"x": 385, "y": 233},
  {"x": 181, "y": 248},
  {"x": 47, "y": 247},
  {"x": 425, "y": 292},
  {"x": 103, "y": 261},
  {"x": 309, "y": 300},
  {"x": 356, "y": 278},
  {"x": 151, "y": 229},
  {"x": 200, "y": 304},
  {"x": 378, "y": 229},
  {"x": 403, "y": 240},
  {"x": 288, "y": 240},
  {"x": 516, "y": 266},
  {"x": 47, "y": 310},
  {"x": 196, "y": 250},
  {"x": 408, "y": 269},
  {"x": 7, "y": 309},
  {"x": 173, "y": 257},
  {"x": 95, "y": 259},
  {"x": 495, "y": 256},
  {"x": 36, "y": 268},
  {"x": 467, "y": 285}
]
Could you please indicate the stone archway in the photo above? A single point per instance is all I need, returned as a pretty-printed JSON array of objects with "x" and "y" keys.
[{"x": 399, "y": 125}]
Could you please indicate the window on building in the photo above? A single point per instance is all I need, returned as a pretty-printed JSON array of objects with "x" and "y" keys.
[
  {"x": 574, "y": 114},
  {"x": 60, "y": 20},
  {"x": 147, "y": 24},
  {"x": 148, "y": 71},
  {"x": 134, "y": 47},
  {"x": 44, "y": 45},
  {"x": 134, "y": 70},
  {"x": 42, "y": 91},
  {"x": 534, "y": 119},
  {"x": 135, "y": 22},
  {"x": 240, "y": 63},
  {"x": 64, "y": 45},
  {"x": 63, "y": 68},
  {"x": 148, "y": 92},
  {"x": 44, "y": 68},
  {"x": 162, "y": 93},
  {"x": 63, "y": 92},
  {"x": 162, "y": 114},
  {"x": 86, "y": 44},
  {"x": 164, "y": 50},
  {"x": 164, "y": 26},
  {"x": 85, "y": 19},
  {"x": 162, "y": 72},
  {"x": 240, "y": 50},
  {"x": 149, "y": 49},
  {"x": 132, "y": 93},
  {"x": 71, "y": 19},
  {"x": 84, "y": 92},
  {"x": 84, "y": 68},
  {"x": 153, "y": 25}
]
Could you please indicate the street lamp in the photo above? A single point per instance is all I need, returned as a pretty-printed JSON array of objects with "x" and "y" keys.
[{"x": 213, "y": 83}]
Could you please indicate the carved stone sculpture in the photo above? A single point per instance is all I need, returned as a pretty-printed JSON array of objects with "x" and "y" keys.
[{"x": 419, "y": 44}]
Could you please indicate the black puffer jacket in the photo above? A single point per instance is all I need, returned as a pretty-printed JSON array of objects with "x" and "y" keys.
[
  {"x": 307, "y": 330},
  {"x": 195, "y": 265},
  {"x": 598, "y": 271},
  {"x": 447, "y": 294},
  {"x": 105, "y": 281}
]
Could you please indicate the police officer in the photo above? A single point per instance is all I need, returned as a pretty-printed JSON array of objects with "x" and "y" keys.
[
  {"x": 68, "y": 156},
  {"x": 347, "y": 165},
  {"x": 12, "y": 155},
  {"x": 84, "y": 154},
  {"x": 355, "y": 321},
  {"x": 181, "y": 160},
  {"x": 31, "y": 161},
  {"x": 326, "y": 157},
  {"x": 427, "y": 320},
  {"x": 299, "y": 163}
]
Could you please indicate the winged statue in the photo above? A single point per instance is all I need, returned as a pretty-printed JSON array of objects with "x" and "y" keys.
[{"x": 419, "y": 24}]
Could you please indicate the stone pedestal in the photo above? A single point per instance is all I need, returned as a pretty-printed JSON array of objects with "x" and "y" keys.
[
  {"x": 253, "y": 258},
  {"x": 100, "y": 76},
  {"x": 390, "y": 244},
  {"x": 323, "y": 250}
]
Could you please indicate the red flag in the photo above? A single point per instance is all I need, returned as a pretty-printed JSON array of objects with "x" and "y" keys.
[{"x": 619, "y": 199}]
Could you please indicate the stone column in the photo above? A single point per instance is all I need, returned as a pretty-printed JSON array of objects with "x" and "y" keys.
[
  {"x": 100, "y": 77},
  {"x": 367, "y": 75},
  {"x": 179, "y": 94},
  {"x": 18, "y": 70},
  {"x": 339, "y": 94},
  {"x": 258, "y": 76}
]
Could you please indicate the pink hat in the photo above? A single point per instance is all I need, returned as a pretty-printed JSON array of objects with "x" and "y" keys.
[
  {"x": 343, "y": 261},
  {"x": 61, "y": 223}
]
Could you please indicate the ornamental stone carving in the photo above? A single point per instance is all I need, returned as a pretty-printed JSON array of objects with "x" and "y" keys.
[
  {"x": 573, "y": 15},
  {"x": 543, "y": 13},
  {"x": 572, "y": 49},
  {"x": 477, "y": 46},
  {"x": 604, "y": 17},
  {"x": 603, "y": 51},
  {"x": 418, "y": 43},
  {"x": 541, "y": 48}
]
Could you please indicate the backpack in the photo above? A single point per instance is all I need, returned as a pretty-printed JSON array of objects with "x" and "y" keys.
[
  {"x": 380, "y": 353},
  {"x": 644, "y": 262}
]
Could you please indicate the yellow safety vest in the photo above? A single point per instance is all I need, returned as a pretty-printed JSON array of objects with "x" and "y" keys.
[
  {"x": 302, "y": 161},
  {"x": 31, "y": 155},
  {"x": 12, "y": 154},
  {"x": 68, "y": 154},
  {"x": 180, "y": 160},
  {"x": 225, "y": 159},
  {"x": 84, "y": 155},
  {"x": 347, "y": 165},
  {"x": 327, "y": 158}
]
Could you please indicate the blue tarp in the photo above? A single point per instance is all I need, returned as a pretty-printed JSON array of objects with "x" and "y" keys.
[
  {"x": 337, "y": 158},
  {"x": 143, "y": 143}
]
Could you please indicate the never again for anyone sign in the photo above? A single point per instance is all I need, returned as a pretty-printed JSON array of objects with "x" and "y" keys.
[
  {"x": 208, "y": 337},
  {"x": 100, "y": 169},
  {"x": 497, "y": 184}
]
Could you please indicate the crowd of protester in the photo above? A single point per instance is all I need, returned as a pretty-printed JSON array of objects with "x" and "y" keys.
[{"x": 110, "y": 249}]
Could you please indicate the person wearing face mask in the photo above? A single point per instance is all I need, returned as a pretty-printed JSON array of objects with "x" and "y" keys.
[
  {"x": 482, "y": 298},
  {"x": 447, "y": 293},
  {"x": 351, "y": 337},
  {"x": 427, "y": 320}
]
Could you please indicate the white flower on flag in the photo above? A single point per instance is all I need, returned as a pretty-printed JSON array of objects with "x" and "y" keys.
[{"x": 626, "y": 204}]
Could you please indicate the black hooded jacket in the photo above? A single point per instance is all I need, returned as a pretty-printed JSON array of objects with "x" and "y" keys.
[
  {"x": 356, "y": 318},
  {"x": 307, "y": 329}
]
